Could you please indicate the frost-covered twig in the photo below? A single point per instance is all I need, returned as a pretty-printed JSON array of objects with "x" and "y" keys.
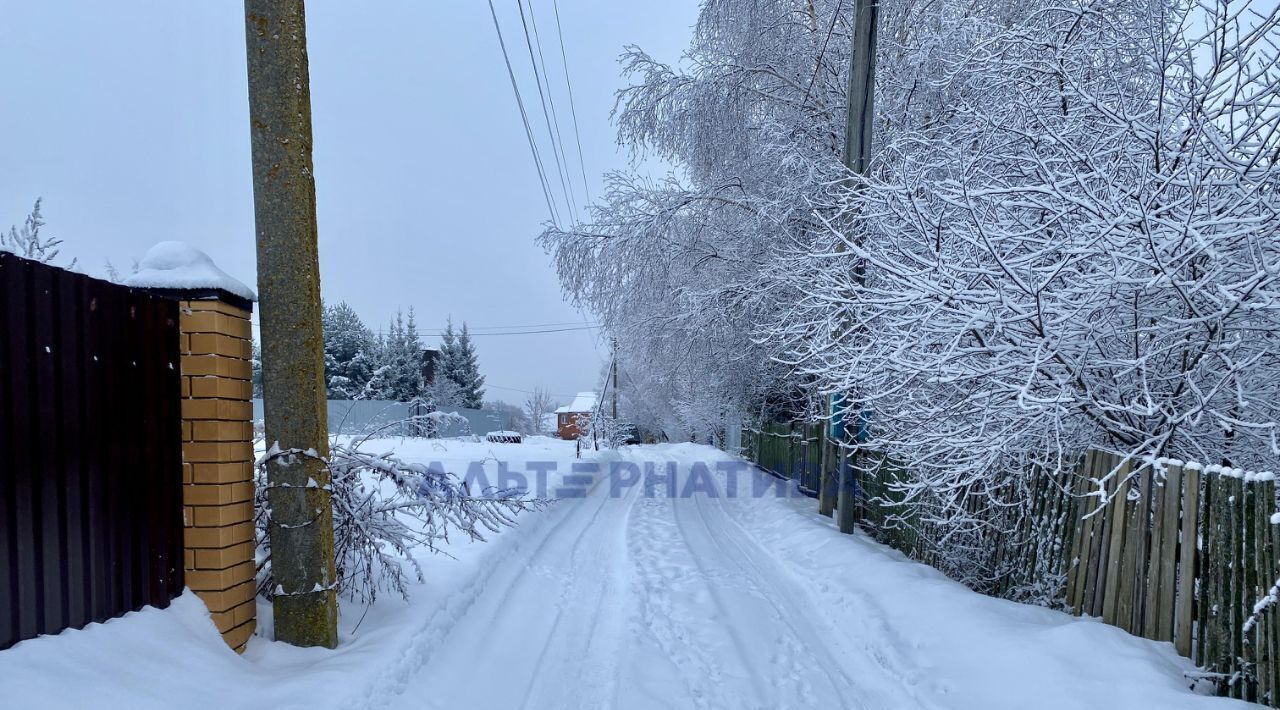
[{"x": 384, "y": 510}]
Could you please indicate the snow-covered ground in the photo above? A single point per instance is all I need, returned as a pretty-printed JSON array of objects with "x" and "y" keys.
[{"x": 621, "y": 595}]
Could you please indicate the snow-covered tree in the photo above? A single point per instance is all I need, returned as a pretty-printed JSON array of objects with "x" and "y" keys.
[
  {"x": 1085, "y": 255},
  {"x": 538, "y": 406},
  {"x": 444, "y": 393},
  {"x": 1067, "y": 238},
  {"x": 398, "y": 375},
  {"x": 28, "y": 242},
  {"x": 255, "y": 362},
  {"x": 679, "y": 270},
  {"x": 349, "y": 352},
  {"x": 460, "y": 365},
  {"x": 384, "y": 508}
]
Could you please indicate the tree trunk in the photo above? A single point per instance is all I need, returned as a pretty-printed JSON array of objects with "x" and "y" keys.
[{"x": 301, "y": 522}]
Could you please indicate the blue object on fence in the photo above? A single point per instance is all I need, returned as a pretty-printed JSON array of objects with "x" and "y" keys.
[
  {"x": 837, "y": 417},
  {"x": 839, "y": 412}
]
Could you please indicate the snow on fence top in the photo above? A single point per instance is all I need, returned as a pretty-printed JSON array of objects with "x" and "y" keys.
[
  {"x": 179, "y": 265},
  {"x": 1213, "y": 469}
]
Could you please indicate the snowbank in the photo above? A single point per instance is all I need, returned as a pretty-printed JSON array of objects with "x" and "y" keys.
[
  {"x": 149, "y": 658},
  {"x": 644, "y": 601},
  {"x": 178, "y": 265},
  {"x": 944, "y": 645}
]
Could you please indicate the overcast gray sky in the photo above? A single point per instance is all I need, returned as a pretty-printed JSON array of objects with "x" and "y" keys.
[{"x": 130, "y": 118}]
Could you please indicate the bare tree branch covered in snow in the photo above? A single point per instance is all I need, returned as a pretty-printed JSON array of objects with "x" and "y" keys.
[
  {"x": 384, "y": 509},
  {"x": 676, "y": 270},
  {"x": 1085, "y": 256},
  {"x": 537, "y": 407},
  {"x": 1069, "y": 236}
]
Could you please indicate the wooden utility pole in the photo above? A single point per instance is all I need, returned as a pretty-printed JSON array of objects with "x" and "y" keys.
[
  {"x": 284, "y": 200},
  {"x": 857, "y": 158},
  {"x": 614, "y": 370}
]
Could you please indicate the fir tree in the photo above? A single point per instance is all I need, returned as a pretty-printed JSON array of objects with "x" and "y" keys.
[
  {"x": 349, "y": 352},
  {"x": 255, "y": 362},
  {"x": 460, "y": 365},
  {"x": 470, "y": 380},
  {"x": 399, "y": 373}
]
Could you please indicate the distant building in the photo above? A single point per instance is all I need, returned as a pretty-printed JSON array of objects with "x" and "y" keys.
[
  {"x": 568, "y": 416},
  {"x": 429, "y": 357}
]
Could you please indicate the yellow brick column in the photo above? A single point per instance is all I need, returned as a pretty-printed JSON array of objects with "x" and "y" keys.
[{"x": 217, "y": 453}]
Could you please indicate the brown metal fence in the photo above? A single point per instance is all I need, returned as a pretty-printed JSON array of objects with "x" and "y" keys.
[{"x": 90, "y": 450}]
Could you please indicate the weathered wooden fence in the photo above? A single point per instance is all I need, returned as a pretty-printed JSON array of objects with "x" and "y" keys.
[
  {"x": 790, "y": 451},
  {"x": 1183, "y": 553},
  {"x": 1167, "y": 551},
  {"x": 90, "y": 450}
]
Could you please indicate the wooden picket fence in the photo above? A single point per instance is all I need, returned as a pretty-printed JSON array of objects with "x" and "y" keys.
[
  {"x": 1183, "y": 554},
  {"x": 1167, "y": 551},
  {"x": 790, "y": 451}
]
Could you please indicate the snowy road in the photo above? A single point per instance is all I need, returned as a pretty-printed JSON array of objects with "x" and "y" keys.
[
  {"x": 637, "y": 601},
  {"x": 724, "y": 596},
  {"x": 632, "y": 598}
]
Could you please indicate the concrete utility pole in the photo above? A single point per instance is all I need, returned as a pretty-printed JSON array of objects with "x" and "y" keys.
[
  {"x": 284, "y": 201},
  {"x": 857, "y": 157}
]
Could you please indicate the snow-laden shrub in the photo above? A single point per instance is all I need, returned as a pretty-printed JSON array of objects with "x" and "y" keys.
[
  {"x": 384, "y": 509},
  {"x": 28, "y": 242}
]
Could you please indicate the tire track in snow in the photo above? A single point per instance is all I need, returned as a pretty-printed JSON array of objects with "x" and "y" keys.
[
  {"x": 517, "y": 599},
  {"x": 568, "y": 649},
  {"x": 502, "y": 571},
  {"x": 880, "y": 644},
  {"x": 786, "y": 597},
  {"x": 651, "y": 544},
  {"x": 745, "y": 650}
]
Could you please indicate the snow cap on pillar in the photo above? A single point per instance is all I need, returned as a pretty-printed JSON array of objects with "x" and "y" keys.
[{"x": 179, "y": 270}]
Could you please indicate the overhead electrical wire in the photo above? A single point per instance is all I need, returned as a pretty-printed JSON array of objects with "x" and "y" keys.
[
  {"x": 516, "y": 389},
  {"x": 553, "y": 126},
  {"x": 518, "y": 332},
  {"x": 530, "y": 328},
  {"x": 573, "y": 109},
  {"x": 524, "y": 118},
  {"x": 539, "y": 331},
  {"x": 551, "y": 99}
]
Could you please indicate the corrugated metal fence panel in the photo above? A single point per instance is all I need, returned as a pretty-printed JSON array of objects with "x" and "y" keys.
[
  {"x": 365, "y": 416},
  {"x": 90, "y": 450}
]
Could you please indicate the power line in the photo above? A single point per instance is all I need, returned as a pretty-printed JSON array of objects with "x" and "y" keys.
[
  {"x": 513, "y": 389},
  {"x": 526, "y": 325},
  {"x": 514, "y": 332},
  {"x": 524, "y": 118},
  {"x": 553, "y": 126},
  {"x": 573, "y": 109},
  {"x": 515, "y": 329},
  {"x": 381, "y": 331},
  {"x": 551, "y": 99}
]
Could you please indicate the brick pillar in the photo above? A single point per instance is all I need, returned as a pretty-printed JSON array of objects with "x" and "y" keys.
[{"x": 217, "y": 454}]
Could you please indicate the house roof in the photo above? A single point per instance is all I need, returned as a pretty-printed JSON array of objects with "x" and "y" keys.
[{"x": 584, "y": 402}]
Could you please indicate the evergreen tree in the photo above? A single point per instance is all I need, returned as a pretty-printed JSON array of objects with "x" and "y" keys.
[
  {"x": 447, "y": 361},
  {"x": 399, "y": 373},
  {"x": 460, "y": 365},
  {"x": 471, "y": 382},
  {"x": 349, "y": 352},
  {"x": 255, "y": 361},
  {"x": 443, "y": 393}
]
